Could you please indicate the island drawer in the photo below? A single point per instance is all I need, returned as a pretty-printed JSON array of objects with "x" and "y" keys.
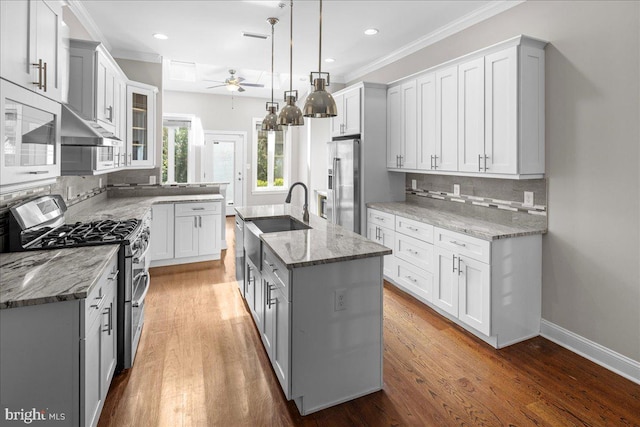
[
  {"x": 382, "y": 219},
  {"x": 416, "y": 229},
  {"x": 272, "y": 265},
  {"x": 414, "y": 251},
  {"x": 186, "y": 209},
  {"x": 472, "y": 247}
]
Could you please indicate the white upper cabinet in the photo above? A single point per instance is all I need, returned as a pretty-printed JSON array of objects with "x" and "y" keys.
[
  {"x": 141, "y": 101},
  {"x": 447, "y": 119},
  {"x": 402, "y": 126},
  {"x": 471, "y": 151},
  {"x": 31, "y": 45},
  {"x": 479, "y": 115},
  {"x": 347, "y": 122},
  {"x": 428, "y": 153}
]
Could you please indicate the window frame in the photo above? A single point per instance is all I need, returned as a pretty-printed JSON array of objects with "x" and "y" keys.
[{"x": 255, "y": 190}]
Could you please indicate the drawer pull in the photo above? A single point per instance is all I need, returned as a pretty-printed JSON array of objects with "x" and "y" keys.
[
  {"x": 411, "y": 251},
  {"x": 412, "y": 279},
  {"x": 197, "y": 209},
  {"x": 379, "y": 218},
  {"x": 458, "y": 243},
  {"x": 412, "y": 228},
  {"x": 113, "y": 275},
  {"x": 97, "y": 305}
]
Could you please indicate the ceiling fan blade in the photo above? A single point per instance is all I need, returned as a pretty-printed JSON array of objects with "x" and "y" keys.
[
  {"x": 240, "y": 79},
  {"x": 240, "y": 89},
  {"x": 213, "y": 87},
  {"x": 252, "y": 85}
]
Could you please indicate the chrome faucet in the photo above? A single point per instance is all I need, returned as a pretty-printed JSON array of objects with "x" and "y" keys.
[{"x": 305, "y": 208}]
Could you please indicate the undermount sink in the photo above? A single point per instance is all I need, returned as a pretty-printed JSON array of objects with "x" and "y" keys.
[{"x": 272, "y": 225}]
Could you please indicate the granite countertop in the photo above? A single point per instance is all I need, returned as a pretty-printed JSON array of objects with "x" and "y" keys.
[
  {"x": 132, "y": 207},
  {"x": 40, "y": 277},
  {"x": 322, "y": 244},
  {"x": 479, "y": 228}
]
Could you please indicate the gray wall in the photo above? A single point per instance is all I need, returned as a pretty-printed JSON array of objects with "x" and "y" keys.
[
  {"x": 221, "y": 113},
  {"x": 591, "y": 277}
]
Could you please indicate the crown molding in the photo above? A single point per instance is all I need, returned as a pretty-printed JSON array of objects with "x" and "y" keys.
[
  {"x": 491, "y": 9},
  {"x": 87, "y": 22},
  {"x": 137, "y": 56}
]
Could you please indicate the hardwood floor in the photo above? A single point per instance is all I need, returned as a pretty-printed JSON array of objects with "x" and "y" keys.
[{"x": 201, "y": 363}]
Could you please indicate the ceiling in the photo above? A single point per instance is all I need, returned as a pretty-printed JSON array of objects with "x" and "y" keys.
[{"x": 209, "y": 34}]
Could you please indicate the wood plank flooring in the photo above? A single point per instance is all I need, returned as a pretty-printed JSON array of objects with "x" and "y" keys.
[{"x": 201, "y": 363}]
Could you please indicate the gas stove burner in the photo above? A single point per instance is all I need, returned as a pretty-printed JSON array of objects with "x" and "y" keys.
[{"x": 80, "y": 234}]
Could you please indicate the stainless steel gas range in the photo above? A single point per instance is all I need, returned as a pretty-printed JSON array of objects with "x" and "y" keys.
[{"x": 39, "y": 224}]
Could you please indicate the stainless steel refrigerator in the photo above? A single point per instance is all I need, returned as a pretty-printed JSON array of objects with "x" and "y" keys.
[{"x": 343, "y": 186}]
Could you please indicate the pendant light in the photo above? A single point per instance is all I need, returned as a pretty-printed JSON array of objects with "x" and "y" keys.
[
  {"x": 320, "y": 103},
  {"x": 270, "y": 121},
  {"x": 291, "y": 114}
]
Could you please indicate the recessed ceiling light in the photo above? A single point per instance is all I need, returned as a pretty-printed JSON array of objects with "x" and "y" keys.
[
  {"x": 160, "y": 36},
  {"x": 329, "y": 60},
  {"x": 371, "y": 31}
]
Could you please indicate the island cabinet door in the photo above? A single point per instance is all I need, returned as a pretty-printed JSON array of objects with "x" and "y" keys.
[
  {"x": 250, "y": 287},
  {"x": 209, "y": 235},
  {"x": 269, "y": 333},
  {"x": 92, "y": 390},
  {"x": 282, "y": 347},
  {"x": 445, "y": 289},
  {"x": 186, "y": 237}
]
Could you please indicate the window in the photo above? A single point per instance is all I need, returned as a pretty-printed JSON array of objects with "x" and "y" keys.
[
  {"x": 270, "y": 159},
  {"x": 176, "y": 135}
]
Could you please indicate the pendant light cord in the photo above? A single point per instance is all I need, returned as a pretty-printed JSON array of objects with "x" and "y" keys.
[
  {"x": 272, "y": 44},
  {"x": 291, "y": 51},
  {"x": 320, "y": 43}
]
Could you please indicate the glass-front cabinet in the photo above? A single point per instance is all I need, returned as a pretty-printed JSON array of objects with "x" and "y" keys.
[
  {"x": 30, "y": 135},
  {"x": 141, "y": 125}
]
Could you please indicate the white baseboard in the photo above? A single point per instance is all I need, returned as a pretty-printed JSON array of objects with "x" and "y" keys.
[{"x": 593, "y": 351}]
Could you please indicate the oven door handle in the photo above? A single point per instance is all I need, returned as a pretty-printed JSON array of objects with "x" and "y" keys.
[
  {"x": 140, "y": 300},
  {"x": 137, "y": 258}
]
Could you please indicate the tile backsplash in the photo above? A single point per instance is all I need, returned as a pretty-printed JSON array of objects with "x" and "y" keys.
[{"x": 486, "y": 198}]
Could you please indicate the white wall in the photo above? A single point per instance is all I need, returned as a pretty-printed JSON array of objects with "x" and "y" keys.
[
  {"x": 591, "y": 279},
  {"x": 221, "y": 113}
]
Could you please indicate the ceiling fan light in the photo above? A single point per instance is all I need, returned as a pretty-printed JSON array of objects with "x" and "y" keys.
[
  {"x": 320, "y": 103},
  {"x": 233, "y": 87}
]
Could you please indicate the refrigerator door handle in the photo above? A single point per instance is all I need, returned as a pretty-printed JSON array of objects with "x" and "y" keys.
[{"x": 336, "y": 188}]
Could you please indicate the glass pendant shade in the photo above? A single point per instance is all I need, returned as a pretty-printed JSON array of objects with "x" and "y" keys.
[
  {"x": 291, "y": 115},
  {"x": 320, "y": 103}
]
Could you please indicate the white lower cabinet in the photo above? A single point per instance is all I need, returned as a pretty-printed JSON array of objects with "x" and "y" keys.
[
  {"x": 380, "y": 228},
  {"x": 491, "y": 288},
  {"x": 186, "y": 232},
  {"x": 61, "y": 355}
]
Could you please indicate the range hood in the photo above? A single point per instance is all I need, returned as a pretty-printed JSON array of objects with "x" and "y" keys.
[{"x": 75, "y": 130}]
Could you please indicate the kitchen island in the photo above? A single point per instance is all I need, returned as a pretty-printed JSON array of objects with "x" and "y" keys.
[{"x": 316, "y": 298}]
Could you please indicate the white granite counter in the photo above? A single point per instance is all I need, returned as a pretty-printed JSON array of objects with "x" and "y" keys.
[
  {"x": 132, "y": 207},
  {"x": 40, "y": 277},
  {"x": 323, "y": 243},
  {"x": 479, "y": 228}
]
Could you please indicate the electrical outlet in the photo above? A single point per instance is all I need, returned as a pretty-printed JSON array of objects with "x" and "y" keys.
[
  {"x": 414, "y": 184},
  {"x": 152, "y": 179},
  {"x": 456, "y": 189},
  {"x": 340, "y": 299},
  {"x": 99, "y": 182},
  {"x": 69, "y": 193},
  {"x": 528, "y": 198}
]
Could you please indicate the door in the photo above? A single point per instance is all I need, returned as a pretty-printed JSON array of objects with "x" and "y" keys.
[
  {"x": 386, "y": 238},
  {"x": 501, "y": 104},
  {"x": 47, "y": 42},
  {"x": 471, "y": 116},
  {"x": 475, "y": 294},
  {"x": 445, "y": 289},
  {"x": 186, "y": 237},
  {"x": 15, "y": 65},
  {"x": 426, "y": 117},
  {"x": 447, "y": 119},
  {"x": 408, "y": 147},
  {"x": 209, "y": 234},
  {"x": 222, "y": 162},
  {"x": 351, "y": 111},
  {"x": 346, "y": 180},
  {"x": 394, "y": 127},
  {"x": 269, "y": 332},
  {"x": 162, "y": 232},
  {"x": 90, "y": 349},
  {"x": 281, "y": 346},
  {"x": 140, "y": 127}
]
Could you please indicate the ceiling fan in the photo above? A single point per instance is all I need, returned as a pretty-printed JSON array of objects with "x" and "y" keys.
[{"x": 235, "y": 84}]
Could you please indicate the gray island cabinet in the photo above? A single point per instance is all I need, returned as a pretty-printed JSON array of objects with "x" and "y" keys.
[
  {"x": 316, "y": 298},
  {"x": 58, "y": 344}
]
